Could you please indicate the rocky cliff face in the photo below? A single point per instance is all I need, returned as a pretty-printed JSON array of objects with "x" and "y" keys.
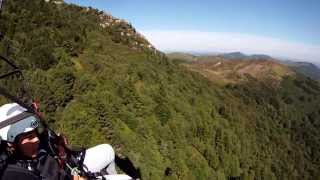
[
  {"x": 121, "y": 30},
  {"x": 124, "y": 32},
  {"x": 55, "y": 1}
]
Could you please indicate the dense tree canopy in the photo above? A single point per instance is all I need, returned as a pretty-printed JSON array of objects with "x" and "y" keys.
[{"x": 171, "y": 122}]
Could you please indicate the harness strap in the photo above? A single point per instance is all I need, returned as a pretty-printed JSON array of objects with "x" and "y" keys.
[{"x": 8, "y": 61}]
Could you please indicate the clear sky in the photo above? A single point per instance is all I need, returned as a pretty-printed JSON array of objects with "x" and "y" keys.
[{"x": 282, "y": 28}]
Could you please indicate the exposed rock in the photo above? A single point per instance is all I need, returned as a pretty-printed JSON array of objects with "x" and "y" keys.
[
  {"x": 126, "y": 31},
  {"x": 55, "y": 1}
]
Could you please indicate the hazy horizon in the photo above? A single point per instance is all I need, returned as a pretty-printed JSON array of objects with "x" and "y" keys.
[
  {"x": 194, "y": 53},
  {"x": 288, "y": 28}
]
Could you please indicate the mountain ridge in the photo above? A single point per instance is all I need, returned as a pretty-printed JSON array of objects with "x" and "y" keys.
[
  {"x": 237, "y": 71},
  {"x": 305, "y": 68},
  {"x": 308, "y": 69},
  {"x": 239, "y": 55}
]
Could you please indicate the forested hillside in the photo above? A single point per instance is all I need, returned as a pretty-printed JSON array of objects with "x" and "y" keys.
[{"x": 98, "y": 86}]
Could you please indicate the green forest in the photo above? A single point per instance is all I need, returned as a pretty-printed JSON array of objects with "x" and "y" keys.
[{"x": 95, "y": 87}]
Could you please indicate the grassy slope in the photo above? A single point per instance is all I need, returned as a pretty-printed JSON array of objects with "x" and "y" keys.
[{"x": 172, "y": 123}]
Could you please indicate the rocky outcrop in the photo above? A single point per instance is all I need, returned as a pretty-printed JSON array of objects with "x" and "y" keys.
[
  {"x": 124, "y": 32},
  {"x": 121, "y": 30},
  {"x": 55, "y": 1}
]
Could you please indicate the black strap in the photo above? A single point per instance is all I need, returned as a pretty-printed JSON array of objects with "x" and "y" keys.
[
  {"x": 4, "y": 93},
  {"x": 9, "y": 62},
  {"x": 127, "y": 167},
  {"x": 17, "y": 71},
  {"x": 0, "y": 5},
  {"x": 15, "y": 119}
]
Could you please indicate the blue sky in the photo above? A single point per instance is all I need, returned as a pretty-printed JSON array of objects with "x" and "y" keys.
[{"x": 282, "y": 28}]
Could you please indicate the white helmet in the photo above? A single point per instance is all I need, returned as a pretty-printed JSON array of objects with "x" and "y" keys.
[{"x": 15, "y": 120}]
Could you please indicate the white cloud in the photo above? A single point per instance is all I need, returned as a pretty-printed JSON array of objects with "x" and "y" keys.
[{"x": 194, "y": 41}]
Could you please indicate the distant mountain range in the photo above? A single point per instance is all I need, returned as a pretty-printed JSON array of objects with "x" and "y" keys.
[
  {"x": 306, "y": 68},
  {"x": 239, "y": 55},
  {"x": 229, "y": 56}
]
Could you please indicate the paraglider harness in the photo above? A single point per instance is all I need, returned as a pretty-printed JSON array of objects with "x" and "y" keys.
[{"x": 54, "y": 144}]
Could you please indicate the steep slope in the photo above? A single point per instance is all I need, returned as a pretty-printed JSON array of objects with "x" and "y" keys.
[{"x": 97, "y": 87}]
